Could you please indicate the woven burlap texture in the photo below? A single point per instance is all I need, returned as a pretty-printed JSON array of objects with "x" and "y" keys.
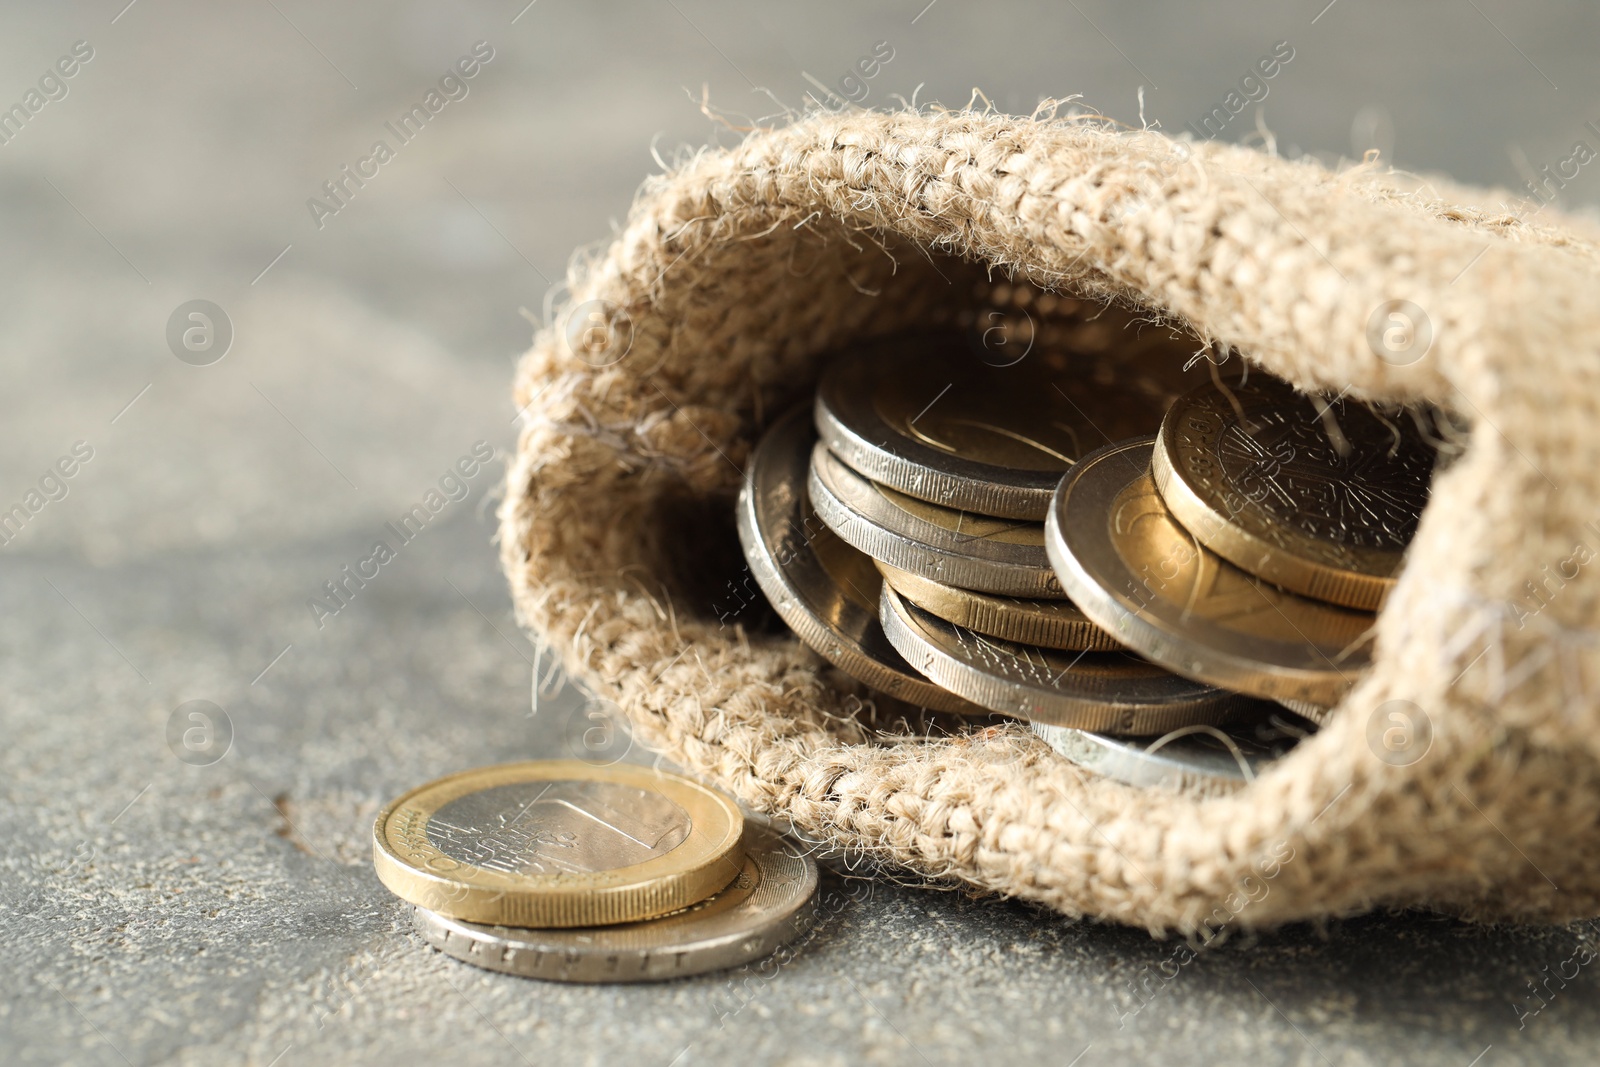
[{"x": 740, "y": 268}]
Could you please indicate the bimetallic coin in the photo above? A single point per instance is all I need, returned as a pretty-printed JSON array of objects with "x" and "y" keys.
[
  {"x": 1198, "y": 761},
  {"x": 558, "y": 843},
  {"x": 1272, "y": 487},
  {"x": 958, "y": 548},
  {"x": 826, "y": 591},
  {"x": 1109, "y": 691},
  {"x": 1129, "y": 566},
  {"x": 1046, "y": 623},
  {"x": 770, "y": 903},
  {"x": 926, "y": 416}
]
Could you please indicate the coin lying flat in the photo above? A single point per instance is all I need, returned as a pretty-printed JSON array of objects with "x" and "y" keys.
[
  {"x": 1199, "y": 761},
  {"x": 1270, "y": 487},
  {"x": 826, "y": 591},
  {"x": 1129, "y": 566},
  {"x": 1004, "y": 556},
  {"x": 927, "y": 416},
  {"x": 770, "y": 903},
  {"x": 558, "y": 843},
  {"x": 1109, "y": 691},
  {"x": 1046, "y": 623}
]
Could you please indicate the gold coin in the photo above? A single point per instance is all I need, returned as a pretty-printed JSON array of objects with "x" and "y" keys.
[
  {"x": 985, "y": 428},
  {"x": 1046, "y": 623},
  {"x": 1129, "y": 566},
  {"x": 1321, "y": 506},
  {"x": 558, "y": 843}
]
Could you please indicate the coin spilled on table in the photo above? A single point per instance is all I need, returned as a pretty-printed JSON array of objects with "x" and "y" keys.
[
  {"x": 572, "y": 872},
  {"x": 1170, "y": 586}
]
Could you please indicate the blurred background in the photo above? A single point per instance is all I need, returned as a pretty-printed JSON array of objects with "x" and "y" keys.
[{"x": 163, "y": 906}]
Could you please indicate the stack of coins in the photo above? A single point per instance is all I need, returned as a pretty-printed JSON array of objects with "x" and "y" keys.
[
  {"x": 1078, "y": 544},
  {"x": 567, "y": 871}
]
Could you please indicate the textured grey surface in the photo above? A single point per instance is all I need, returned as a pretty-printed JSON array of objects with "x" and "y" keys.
[
  {"x": 157, "y": 912},
  {"x": 231, "y": 911}
]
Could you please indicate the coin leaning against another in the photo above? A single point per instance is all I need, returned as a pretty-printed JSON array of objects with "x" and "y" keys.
[
  {"x": 1112, "y": 692},
  {"x": 825, "y": 590},
  {"x": 1004, "y": 556},
  {"x": 927, "y": 416},
  {"x": 558, "y": 843},
  {"x": 770, "y": 903},
  {"x": 1129, "y": 565},
  {"x": 1255, "y": 474},
  {"x": 1046, "y": 623}
]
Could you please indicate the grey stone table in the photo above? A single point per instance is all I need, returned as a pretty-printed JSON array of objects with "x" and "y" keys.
[{"x": 162, "y": 911}]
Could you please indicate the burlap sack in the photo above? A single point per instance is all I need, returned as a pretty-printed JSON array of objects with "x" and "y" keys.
[{"x": 740, "y": 268}]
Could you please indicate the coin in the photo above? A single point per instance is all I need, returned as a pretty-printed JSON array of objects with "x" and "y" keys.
[
  {"x": 770, "y": 903},
  {"x": 1263, "y": 481},
  {"x": 927, "y": 416},
  {"x": 558, "y": 843},
  {"x": 1317, "y": 713},
  {"x": 1199, "y": 761},
  {"x": 1047, "y": 623},
  {"x": 1129, "y": 566},
  {"x": 826, "y": 591},
  {"x": 958, "y": 548},
  {"x": 1110, "y": 691}
]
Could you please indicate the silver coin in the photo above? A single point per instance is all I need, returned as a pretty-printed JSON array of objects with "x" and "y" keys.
[
  {"x": 1130, "y": 567},
  {"x": 1317, "y": 713},
  {"x": 1004, "y": 556},
  {"x": 1198, "y": 761},
  {"x": 1110, "y": 691},
  {"x": 928, "y": 416},
  {"x": 770, "y": 903},
  {"x": 826, "y": 591}
]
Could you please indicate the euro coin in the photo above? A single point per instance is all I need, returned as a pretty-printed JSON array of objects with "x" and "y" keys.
[
  {"x": 770, "y": 903},
  {"x": 1107, "y": 691},
  {"x": 925, "y": 415},
  {"x": 1004, "y": 556},
  {"x": 1046, "y": 623},
  {"x": 825, "y": 590},
  {"x": 1198, "y": 761},
  {"x": 1131, "y": 567},
  {"x": 1320, "y": 503},
  {"x": 558, "y": 843}
]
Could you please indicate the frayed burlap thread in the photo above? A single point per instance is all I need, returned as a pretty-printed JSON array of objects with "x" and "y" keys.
[{"x": 740, "y": 268}]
